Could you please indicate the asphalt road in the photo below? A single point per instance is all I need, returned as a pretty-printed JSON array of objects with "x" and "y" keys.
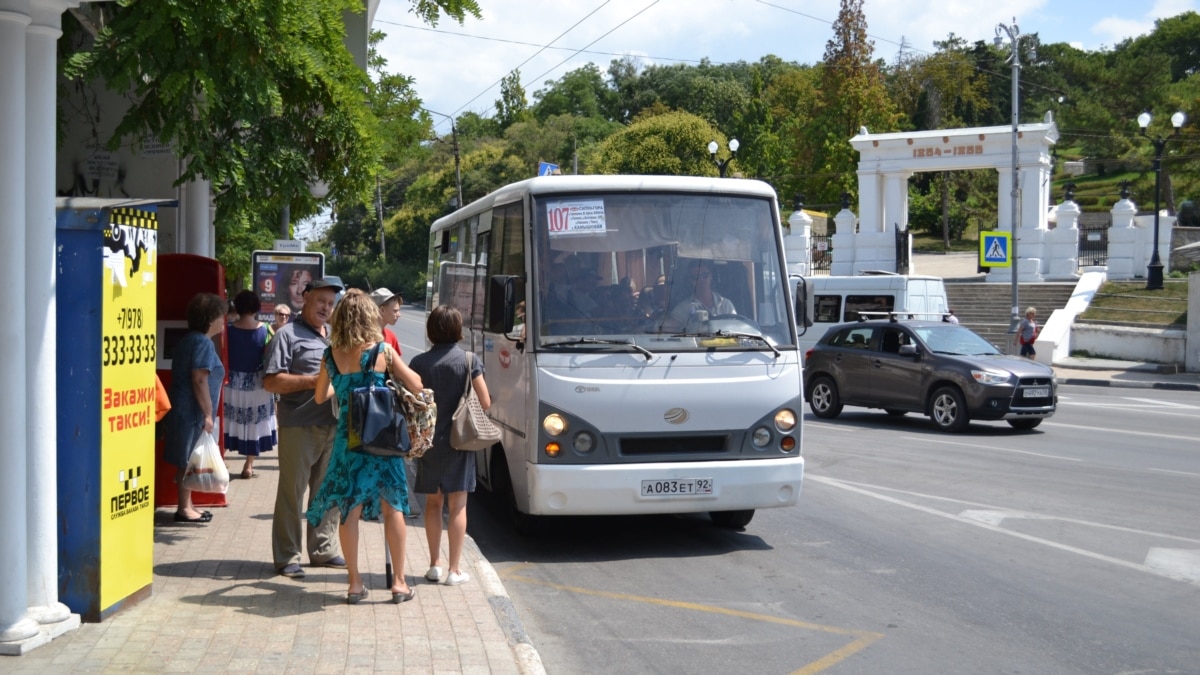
[{"x": 1074, "y": 548}]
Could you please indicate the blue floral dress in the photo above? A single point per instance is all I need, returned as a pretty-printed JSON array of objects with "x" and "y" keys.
[{"x": 354, "y": 478}]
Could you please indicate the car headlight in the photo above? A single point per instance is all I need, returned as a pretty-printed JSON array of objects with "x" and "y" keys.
[{"x": 990, "y": 377}]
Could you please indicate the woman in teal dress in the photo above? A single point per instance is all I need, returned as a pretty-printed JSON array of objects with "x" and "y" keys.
[{"x": 362, "y": 486}]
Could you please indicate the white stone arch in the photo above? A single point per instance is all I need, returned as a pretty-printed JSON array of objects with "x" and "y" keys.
[{"x": 886, "y": 161}]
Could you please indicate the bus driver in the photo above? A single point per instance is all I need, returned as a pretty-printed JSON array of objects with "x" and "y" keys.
[{"x": 703, "y": 298}]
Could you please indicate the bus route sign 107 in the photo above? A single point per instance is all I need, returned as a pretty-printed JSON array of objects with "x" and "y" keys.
[{"x": 677, "y": 487}]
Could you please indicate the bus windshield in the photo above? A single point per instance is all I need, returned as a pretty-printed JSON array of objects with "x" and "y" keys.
[{"x": 659, "y": 270}]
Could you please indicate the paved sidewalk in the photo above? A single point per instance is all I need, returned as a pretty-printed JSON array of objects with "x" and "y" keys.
[{"x": 218, "y": 607}]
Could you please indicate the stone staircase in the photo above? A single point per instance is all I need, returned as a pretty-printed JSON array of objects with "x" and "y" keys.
[{"x": 986, "y": 308}]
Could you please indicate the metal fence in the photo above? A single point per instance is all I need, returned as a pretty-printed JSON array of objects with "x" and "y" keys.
[
  {"x": 822, "y": 254},
  {"x": 1093, "y": 245}
]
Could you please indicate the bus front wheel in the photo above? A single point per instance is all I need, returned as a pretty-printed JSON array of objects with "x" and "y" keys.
[
  {"x": 502, "y": 491},
  {"x": 732, "y": 519}
]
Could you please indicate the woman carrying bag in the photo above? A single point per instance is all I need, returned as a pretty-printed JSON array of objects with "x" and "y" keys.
[
  {"x": 359, "y": 484},
  {"x": 445, "y": 471},
  {"x": 196, "y": 377}
]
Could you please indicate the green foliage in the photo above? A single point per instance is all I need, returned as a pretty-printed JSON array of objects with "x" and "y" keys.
[
  {"x": 512, "y": 106},
  {"x": 674, "y": 143}
]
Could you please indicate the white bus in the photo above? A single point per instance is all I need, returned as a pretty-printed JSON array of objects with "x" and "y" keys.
[{"x": 639, "y": 342}]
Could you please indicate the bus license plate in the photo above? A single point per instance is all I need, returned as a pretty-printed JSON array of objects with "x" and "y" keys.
[
  {"x": 676, "y": 487},
  {"x": 1036, "y": 392}
]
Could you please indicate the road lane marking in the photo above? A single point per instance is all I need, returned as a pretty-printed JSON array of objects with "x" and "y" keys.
[
  {"x": 862, "y": 639},
  {"x": 1142, "y": 434},
  {"x": 991, "y": 447},
  {"x": 1014, "y": 513},
  {"x": 1137, "y": 567},
  {"x": 1177, "y": 473},
  {"x": 1179, "y": 561},
  {"x": 1169, "y": 404}
]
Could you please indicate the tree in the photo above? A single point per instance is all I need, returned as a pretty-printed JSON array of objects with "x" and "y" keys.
[
  {"x": 852, "y": 96},
  {"x": 260, "y": 98},
  {"x": 673, "y": 143},
  {"x": 512, "y": 106}
]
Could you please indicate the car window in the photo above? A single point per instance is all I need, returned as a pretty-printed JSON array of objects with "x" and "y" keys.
[
  {"x": 893, "y": 339},
  {"x": 880, "y": 305},
  {"x": 854, "y": 338}
]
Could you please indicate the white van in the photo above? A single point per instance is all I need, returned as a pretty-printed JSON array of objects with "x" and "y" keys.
[{"x": 834, "y": 300}]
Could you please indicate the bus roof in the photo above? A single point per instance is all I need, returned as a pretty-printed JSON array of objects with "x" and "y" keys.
[{"x": 604, "y": 183}]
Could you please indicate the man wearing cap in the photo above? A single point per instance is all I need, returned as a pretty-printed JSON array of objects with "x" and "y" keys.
[
  {"x": 306, "y": 431},
  {"x": 389, "y": 313}
]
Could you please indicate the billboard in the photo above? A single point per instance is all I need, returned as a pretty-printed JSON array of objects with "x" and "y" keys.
[{"x": 280, "y": 277}]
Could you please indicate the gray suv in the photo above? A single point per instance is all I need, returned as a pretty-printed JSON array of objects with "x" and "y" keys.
[{"x": 938, "y": 369}]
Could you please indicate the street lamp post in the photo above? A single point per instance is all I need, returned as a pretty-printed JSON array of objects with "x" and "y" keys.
[
  {"x": 454, "y": 138},
  {"x": 722, "y": 163},
  {"x": 1154, "y": 271},
  {"x": 1014, "y": 37}
]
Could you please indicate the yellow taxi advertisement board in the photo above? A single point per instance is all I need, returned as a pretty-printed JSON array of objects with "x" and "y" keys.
[{"x": 127, "y": 358}]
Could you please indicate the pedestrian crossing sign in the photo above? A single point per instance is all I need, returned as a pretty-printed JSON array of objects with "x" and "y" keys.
[{"x": 994, "y": 249}]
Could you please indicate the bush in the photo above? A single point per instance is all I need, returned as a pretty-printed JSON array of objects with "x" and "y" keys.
[{"x": 369, "y": 272}]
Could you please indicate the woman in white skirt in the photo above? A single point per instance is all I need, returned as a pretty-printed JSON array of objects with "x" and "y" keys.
[{"x": 250, "y": 427}]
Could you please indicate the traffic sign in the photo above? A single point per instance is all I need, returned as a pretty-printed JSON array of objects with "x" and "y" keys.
[{"x": 994, "y": 249}]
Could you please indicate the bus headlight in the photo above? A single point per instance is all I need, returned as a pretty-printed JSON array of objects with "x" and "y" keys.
[
  {"x": 584, "y": 442},
  {"x": 761, "y": 437},
  {"x": 554, "y": 425},
  {"x": 785, "y": 420}
]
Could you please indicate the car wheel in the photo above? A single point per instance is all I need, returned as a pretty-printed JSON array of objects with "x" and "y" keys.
[
  {"x": 1024, "y": 425},
  {"x": 823, "y": 398},
  {"x": 895, "y": 413},
  {"x": 734, "y": 520},
  {"x": 948, "y": 410}
]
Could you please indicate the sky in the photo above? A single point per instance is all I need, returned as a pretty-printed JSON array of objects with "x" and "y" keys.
[{"x": 459, "y": 68}]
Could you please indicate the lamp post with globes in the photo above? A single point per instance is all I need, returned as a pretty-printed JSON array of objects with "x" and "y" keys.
[
  {"x": 722, "y": 163},
  {"x": 1154, "y": 271}
]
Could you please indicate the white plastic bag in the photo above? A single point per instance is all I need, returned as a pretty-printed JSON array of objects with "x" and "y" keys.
[{"x": 206, "y": 470}]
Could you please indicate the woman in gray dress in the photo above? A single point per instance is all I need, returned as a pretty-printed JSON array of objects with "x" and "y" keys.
[{"x": 444, "y": 472}]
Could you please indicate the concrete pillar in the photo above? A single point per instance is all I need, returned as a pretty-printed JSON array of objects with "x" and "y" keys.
[
  {"x": 1004, "y": 216},
  {"x": 16, "y": 623},
  {"x": 1034, "y": 195},
  {"x": 1063, "y": 243},
  {"x": 40, "y": 318},
  {"x": 198, "y": 236},
  {"x": 1122, "y": 240},
  {"x": 870, "y": 199},
  {"x": 1191, "y": 356},
  {"x": 895, "y": 202},
  {"x": 797, "y": 244},
  {"x": 844, "y": 240}
]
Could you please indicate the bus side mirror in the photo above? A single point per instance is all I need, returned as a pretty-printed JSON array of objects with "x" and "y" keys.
[
  {"x": 502, "y": 303},
  {"x": 803, "y": 318}
]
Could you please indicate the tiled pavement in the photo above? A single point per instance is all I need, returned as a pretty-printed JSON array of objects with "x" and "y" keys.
[{"x": 218, "y": 607}]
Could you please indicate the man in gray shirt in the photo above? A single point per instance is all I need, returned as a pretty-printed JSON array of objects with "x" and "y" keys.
[{"x": 306, "y": 432}]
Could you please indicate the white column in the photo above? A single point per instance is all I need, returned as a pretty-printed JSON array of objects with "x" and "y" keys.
[
  {"x": 895, "y": 202},
  {"x": 1004, "y": 215},
  {"x": 15, "y": 621},
  {"x": 870, "y": 202},
  {"x": 1034, "y": 196},
  {"x": 40, "y": 319},
  {"x": 197, "y": 219}
]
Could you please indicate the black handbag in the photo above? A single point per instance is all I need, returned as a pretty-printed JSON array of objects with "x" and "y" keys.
[{"x": 377, "y": 425}]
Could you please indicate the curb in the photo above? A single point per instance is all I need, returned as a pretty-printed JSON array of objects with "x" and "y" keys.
[
  {"x": 529, "y": 661},
  {"x": 1170, "y": 386}
]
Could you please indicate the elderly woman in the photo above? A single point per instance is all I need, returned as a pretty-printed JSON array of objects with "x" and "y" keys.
[{"x": 196, "y": 377}]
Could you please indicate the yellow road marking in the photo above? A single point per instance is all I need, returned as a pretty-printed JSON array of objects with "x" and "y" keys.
[{"x": 862, "y": 639}]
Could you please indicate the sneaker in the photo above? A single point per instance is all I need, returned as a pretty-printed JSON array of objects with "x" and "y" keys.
[
  {"x": 457, "y": 578},
  {"x": 292, "y": 571},
  {"x": 336, "y": 562},
  {"x": 434, "y": 574}
]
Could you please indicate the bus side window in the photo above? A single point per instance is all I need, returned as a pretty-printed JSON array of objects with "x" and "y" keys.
[{"x": 827, "y": 308}]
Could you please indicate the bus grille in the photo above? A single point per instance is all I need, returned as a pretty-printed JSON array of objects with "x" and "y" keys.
[{"x": 658, "y": 445}]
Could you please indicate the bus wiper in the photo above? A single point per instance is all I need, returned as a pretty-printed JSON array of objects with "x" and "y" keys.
[
  {"x": 748, "y": 336},
  {"x": 602, "y": 341}
]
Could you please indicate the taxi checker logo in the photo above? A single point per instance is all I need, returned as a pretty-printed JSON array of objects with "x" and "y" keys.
[
  {"x": 133, "y": 497},
  {"x": 676, "y": 415}
]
